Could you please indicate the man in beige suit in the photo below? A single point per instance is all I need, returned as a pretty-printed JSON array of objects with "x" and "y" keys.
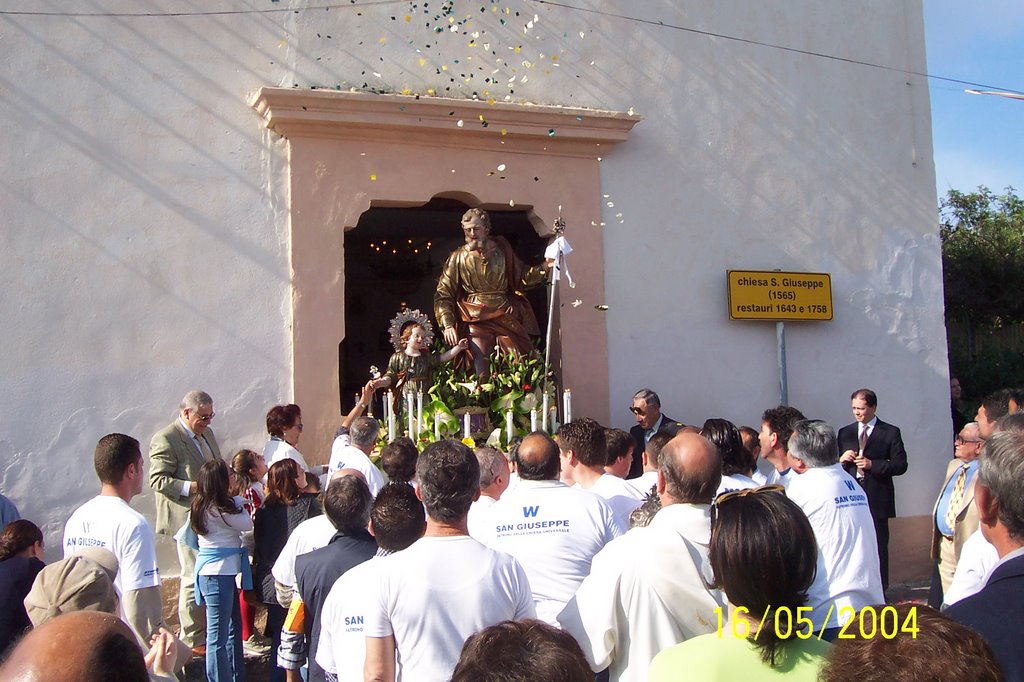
[
  {"x": 175, "y": 455},
  {"x": 956, "y": 515}
]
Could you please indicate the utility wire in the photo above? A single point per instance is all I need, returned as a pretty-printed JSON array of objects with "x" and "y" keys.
[
  {"x": 809, "y": 53},
  {"x": 553, "y": 3}
]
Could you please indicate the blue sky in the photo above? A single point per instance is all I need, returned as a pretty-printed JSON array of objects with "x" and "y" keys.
[{"x": 979, "y": 139}]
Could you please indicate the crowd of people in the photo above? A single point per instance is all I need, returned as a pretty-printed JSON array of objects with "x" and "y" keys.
[{"x": 674, "y": 551}]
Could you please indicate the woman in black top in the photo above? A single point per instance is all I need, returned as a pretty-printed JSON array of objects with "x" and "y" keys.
[{"x": 285, "y": 507}]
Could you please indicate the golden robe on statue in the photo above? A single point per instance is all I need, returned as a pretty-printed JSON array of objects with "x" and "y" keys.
[{"x": 482, "y": 295}]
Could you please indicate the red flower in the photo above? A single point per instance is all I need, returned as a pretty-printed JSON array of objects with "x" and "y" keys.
[{"x": 526, "y": 387}]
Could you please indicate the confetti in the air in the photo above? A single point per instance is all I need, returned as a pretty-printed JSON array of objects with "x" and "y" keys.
[{"x": 577, "y": 303}]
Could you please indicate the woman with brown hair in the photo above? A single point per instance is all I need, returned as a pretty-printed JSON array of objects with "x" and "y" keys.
[
  {"x": 763, "y": 555},
  {"x": 21, "y": 558},
  {"x": 285, "y": 507},
  {"x": 284, "y": 424},
  {"x": 219, "y": 520}
]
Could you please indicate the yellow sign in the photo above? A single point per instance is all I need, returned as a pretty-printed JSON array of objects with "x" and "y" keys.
[{"x": 773, "y": 295}]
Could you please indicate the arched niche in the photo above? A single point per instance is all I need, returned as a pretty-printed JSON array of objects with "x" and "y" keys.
[{"x": 348, "y": 152}]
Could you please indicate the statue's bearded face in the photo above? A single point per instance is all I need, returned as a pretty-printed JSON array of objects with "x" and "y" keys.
[{"x": 476, "y": 233}]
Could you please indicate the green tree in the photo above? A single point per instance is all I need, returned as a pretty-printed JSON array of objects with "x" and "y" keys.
[
  {"x": 983, "y": 256},
  {"x": 983, "y": 275}
]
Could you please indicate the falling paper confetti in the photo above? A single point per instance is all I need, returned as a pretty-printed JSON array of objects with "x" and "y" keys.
[
  {"x": 577, "y": 303},
  {"x": 600, "y": 307},
  {"x": 501, "y": 166}
]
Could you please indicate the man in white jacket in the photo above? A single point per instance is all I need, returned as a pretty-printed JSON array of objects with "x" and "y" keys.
[{"x": 646, "y": 589}]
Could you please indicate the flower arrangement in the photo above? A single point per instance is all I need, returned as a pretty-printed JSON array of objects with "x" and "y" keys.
[{"x": 514, "y": 384}]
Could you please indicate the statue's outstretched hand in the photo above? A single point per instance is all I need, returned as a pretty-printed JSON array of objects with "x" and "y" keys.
[
  {"x": 451, "y": 337},
  {"x": 463, "y": 344}
]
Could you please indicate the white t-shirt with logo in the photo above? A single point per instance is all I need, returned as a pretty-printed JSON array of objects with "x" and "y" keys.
[
  {"x": 735, "y": 482},
  {"x": 350, "y": 457},
  {"x": 342, "y": 648},
  {"x": 554, "y": 531},
  {"x": 848, "y": 573},
  {"x": 435, "y": 594},
  {"x": 107, "y": 521},
  {"x": 622, "y": 497}
]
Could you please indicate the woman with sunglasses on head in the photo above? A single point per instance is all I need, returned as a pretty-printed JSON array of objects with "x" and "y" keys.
[
  {"x": 763, "y": 556},
  {"x": 284, "y": 424},
  {"x": 284, "y": 508},
  {"x": 220, "y": 520}
]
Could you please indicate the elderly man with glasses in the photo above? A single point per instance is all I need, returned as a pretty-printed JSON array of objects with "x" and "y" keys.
[
  {"x": 956, "y": 514},
  {"x": 175, "y": 454},
  {"x": 646, "y": 407}
]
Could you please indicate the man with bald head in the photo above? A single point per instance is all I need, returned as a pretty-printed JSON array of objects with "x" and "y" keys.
[
  {"x": 646, "y": 590},
  {"x": 553, "y": 530},
  {"x": 83, "y": 646}
]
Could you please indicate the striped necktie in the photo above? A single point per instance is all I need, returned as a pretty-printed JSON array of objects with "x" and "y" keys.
[{"x": 956, "y": 499}]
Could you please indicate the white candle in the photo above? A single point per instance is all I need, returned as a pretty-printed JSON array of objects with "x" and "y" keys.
[
  {"x": 465, "y": 425},
  {"x": 533, "y": 420},
  {"x": 410, "y": 415},
  {"x": 391, "y": 427},
  {"x": 419, "y": 413},
  {"x": 544, "y": 414},
  {"x": 554, "y": 418},
  {"x": 567, "y": 406},
  {"x": 508, "y": 426},
  {"x": 389, "y": 410},
  {"x": 437, "y": 426}
]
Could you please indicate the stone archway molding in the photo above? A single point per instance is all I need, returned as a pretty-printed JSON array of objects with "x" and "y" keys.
[{"x": 350, "y": 151}]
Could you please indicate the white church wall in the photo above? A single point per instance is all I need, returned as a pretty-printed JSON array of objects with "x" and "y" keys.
[{"x": 147, "y": 247}]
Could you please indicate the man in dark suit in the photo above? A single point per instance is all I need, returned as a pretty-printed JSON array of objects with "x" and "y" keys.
[
  {"x": 176, "y": 454},
  {"x": 873, "y": 453},
  {"x": 646, "y": 408},
  {"x": 997, "y": 612}
]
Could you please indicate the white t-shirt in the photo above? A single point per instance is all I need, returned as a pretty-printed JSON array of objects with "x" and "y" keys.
[
  {"x": 225, "y": 530},
  {"x": 108, "y": 522},
  {"x": 350, "y": 457},
  {"x": 435, "y": 594},
  {"x": 622, "y": 497},
  {"x": 477, "y": 512},
  {"x": 644, "y": 482},
  {"x": 342, "y": 648},
  {"x": 311, "y": 534},
  {"x": 554, "y": 531},
  {"x": 735, "y": 482},
  {"x": 848, "y": 573},
  {"x": 275, "y": 450},
  {"x": 977, "y": 559}
]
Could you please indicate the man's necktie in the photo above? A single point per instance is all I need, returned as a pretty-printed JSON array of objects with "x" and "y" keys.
[
  {"x": 204, "y": 448},
  {"x": 956, "y": 499},
  {"x": 863, "y": 442}
]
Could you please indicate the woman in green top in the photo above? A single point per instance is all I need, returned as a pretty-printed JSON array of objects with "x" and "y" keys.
[{"x": 763, "y": 555}]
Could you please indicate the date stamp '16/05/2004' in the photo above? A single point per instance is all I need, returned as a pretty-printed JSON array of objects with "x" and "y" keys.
[{"x": 868, "y": 623}]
